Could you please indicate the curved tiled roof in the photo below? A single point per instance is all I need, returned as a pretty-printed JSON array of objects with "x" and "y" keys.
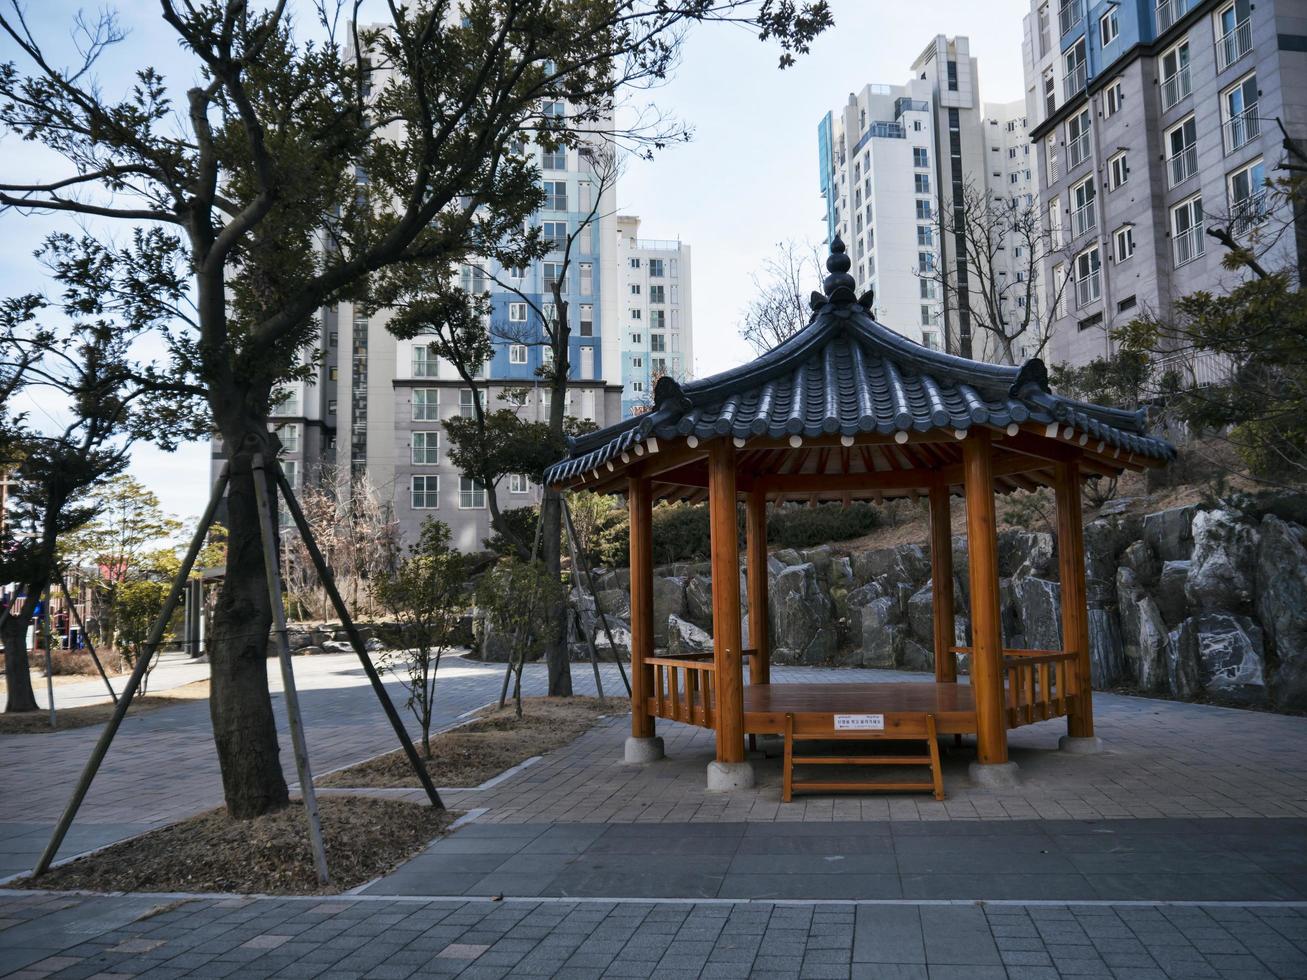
[{"x": 845, "y": 374}]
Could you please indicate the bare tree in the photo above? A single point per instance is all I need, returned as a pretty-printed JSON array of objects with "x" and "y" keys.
[
  {"x": 1005, "y": 247},
  {"x": 779, "y": 308}
]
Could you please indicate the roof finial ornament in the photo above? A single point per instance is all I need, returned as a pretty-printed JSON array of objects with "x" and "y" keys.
[{"x": 839, "y": 284}]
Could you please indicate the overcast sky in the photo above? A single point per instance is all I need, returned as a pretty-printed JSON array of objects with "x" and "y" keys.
[{"x": 747, "y": 181}]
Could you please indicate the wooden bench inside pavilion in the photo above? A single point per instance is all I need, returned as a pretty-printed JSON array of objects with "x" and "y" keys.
[{"x": 845, "y": 410}]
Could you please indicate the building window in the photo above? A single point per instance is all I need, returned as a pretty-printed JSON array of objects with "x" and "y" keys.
[
  {"x": 1107, "y": 27},
  {"x": 1187, "y": 231},
  {"x": 927, "y": 288},
  {"x": 1069, "y": 14},
  {"x": 1113, "y": 98},
  {"x": 658, "y": 342},
  {"x": 426, "y": 448},
  {"x": 923, "y": 210},
  {"x": 552, "y": 273},
  {"x": 555, "y": 233},
  {"x": 635, "y": 289},
  {"x": 637, "y": 361},
  {"x": 1051, "y": 160},
  {"x": 637, "y": 314},
  {"x": 289, "y": 435},
  {"x": 587, "y": 326},
  {"x": 1247, "y": 192},
  {"x": 1089, "y": 322},
  {"x": 1182, "y": 152},
  {"x": 635, "y": 263},
  {"x": 424, "y": 363},
  {"x": 285, "y": 402},
  {"x": 471, "y": 494},
  {"x": 1118, "y": 170},
  {"x": 1058, "y": 284},
  {"x": 655, "y": 268},
  {"x": 291, "y": 468},
  {"x": 925, "y": 237},
  {"x": 1234, "y": 34},
  {"x": 1123, "y": 243},
  {"x": 517, "y": 353},
  {"x": 1126, "y": 304},
  {"x": 554, "y": 159},
  {"x": 930, "y": 339},
  {"x": 467, "y": 400},
  {"x": 951, "y": 72},
  {"x": 1077, "y": 139},
  {"x": 920, "y": 158},
  {"x": 657, "y": 294},
  {"x": 331, "y": 406},
  {"x": 426, "y": 404},
  {"x": 1075, "y": 77},
  {"x": 517, "y": 313},
  {"x": 426, "y": 492},
  {"x": 1050, "y": 93},
  {"x": 657, "y": 319},
  {"x": 1239, "y": 113},
  {"x": 1088, "y": 278},
  {"x": 555, "y": 195},
  {"x": 1083, "y": 211},
  {"x": 518, "y": 483},
  {"x": 1175, "y": 74},
  {"x": 927, "y": 317},
  {"x": 925, "y": 262},
  {"x": 637, "y": 386},
  {"x": 921, "y": 183},
  {"x": 587, "y": 278}
]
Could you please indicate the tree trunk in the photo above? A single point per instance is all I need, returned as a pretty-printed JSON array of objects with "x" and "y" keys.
[
  {"x": 18, "y": 677},
  {"x": 560, "y": 666},
  {"x": 244, "y": 729}
]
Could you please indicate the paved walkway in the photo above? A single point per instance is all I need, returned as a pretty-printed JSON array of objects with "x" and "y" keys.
[{"x": 70, "y": 937}]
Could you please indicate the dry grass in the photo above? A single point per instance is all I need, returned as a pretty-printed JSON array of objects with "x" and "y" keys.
[
  {"x": 364, "y": 837},
  {"x": 36, "y": 722},
  {"x": 494, "y": 741}
]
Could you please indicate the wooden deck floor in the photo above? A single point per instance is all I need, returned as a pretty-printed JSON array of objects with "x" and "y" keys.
[{"x": 814, "y": 706}]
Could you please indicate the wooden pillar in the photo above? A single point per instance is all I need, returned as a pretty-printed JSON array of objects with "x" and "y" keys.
[
  {"x": 639, "y": 499},
  {"x": 726, "y": 601},
  {"x": 986, "y": 630},
  {"x": 941, "y": 585},
  {"x": 755, "y": 527},
  {"x": 1071, "y": 573}
]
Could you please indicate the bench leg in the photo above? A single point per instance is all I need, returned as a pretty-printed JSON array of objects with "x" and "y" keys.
[
  {"x": 932, "y": 740},
  {"x": 787, "y": 779}
]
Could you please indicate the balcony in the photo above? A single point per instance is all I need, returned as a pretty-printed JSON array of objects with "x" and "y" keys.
[
  {"x": 1083, "y": 219},
  {"x": 1175, "y": 88},
  {"x": 1234, "y": 44},
  {"x": 1089, "y": 289},
  {"x": 1248, "y": 211},
  {"x": 904, "y": 104},
  {"x": 1188, "y": 245},
  {"x": 1241, "y": 129},
  {"x": 1070, "y": 14},
  {"x": 1197, "y": 369},
  {"x": 1074, "y": 83},
  {"x": 1077, "y": 151},
  {"x": 1183, "y": 165},
  {"x": 1170, "y": 11},
  {"x": 881, "y": 130}
]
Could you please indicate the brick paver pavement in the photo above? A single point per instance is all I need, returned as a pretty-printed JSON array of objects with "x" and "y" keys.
[{"x": 74, "y": 937}]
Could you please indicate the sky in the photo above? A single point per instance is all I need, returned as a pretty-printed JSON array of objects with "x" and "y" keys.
[{"x": 747, "y": 181}]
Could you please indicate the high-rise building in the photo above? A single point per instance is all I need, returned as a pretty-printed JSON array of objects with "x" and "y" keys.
[
  {"x": 654, "y": 314},
  {"x": 896, "y": 163},
  {"x": 1153, "y": 121}
]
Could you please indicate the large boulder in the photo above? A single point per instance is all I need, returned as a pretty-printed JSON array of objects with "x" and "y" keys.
[
  {"x": 683, "y": 637},
  {"x": 698, "y": 601},
  {"x": 1228, "y": 650},
  {"x": 881, "y": 634},
  {"x": 1106, "y": 540},
  {"x": 1171, "y": 598},
  {"x": 1107, "y": 664},
  {"x": 915, "y": 656},
  {"x": 1022, "y": 553},
  {"x": 1223, "y": 568},
  {"x": 668, "y": 600},
  {"x": 1281, "y": 605},
  {"x": 1144, "y": 638},
  {"x": 1141, "y": 559},
  {"x": 802, "y": 624},
  {"x": 906, "y": 563},
  {"x": 614, "y": 602},
  {"x": 1038, "y": 605},
  {"x": 1170, "y": 533},
  {"x": 921, "y": 617}
]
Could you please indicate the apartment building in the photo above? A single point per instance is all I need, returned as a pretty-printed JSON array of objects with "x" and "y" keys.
[
  {"x": 654, "y": 313},
  {"x": 895, "y": 163},
  {"x": 1153, "y": 121}
]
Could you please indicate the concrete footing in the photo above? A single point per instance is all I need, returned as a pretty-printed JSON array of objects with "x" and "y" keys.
[
  {"x": 1079, "y": 745},
  {"x": 995, "y": 775},
  {"x": 641, "y": 750},
  {"x": 726, "y": 777}
]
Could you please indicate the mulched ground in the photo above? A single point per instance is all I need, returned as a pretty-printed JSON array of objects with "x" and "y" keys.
[
  {"x": 36, "y": 722},
  {"x": 364, "y": 837},
  {"x": 496, "y": 740}
]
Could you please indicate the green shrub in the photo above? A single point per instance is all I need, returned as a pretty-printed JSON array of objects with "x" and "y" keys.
[{"x": 802, "y": 526}]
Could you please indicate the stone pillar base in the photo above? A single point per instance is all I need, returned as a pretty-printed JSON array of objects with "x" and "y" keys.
[
  {"x": 642, "y": 750},
  {"x": 726, "y": 777},
  {"x": 995, "y": 775},
  {"x": 1079, "y": 745}
]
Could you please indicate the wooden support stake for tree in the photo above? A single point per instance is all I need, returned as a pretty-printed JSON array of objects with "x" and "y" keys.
[
  {"x": 133, "y": 682},
  {"x": 594, "y": 654},
  {"x": 578, "y": 561},
  {"x": 272, "y": 575},
  {"x": 49, "y": 654},
  {"x": 517, "y": 635},
  {"x": 355, "y": 638},
  {"x": 941, "y": 577},
  {"x": 86, "y": 637}
]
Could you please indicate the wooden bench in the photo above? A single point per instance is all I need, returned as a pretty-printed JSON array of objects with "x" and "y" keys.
[{"x": 911, "y": 728}]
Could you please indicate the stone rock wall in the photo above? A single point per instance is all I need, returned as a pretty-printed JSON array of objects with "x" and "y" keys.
[{"x": 1185, "y": 602}]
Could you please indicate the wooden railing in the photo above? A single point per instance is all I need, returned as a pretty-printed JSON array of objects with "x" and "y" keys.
[
  {"x": 683, "y": 689},
  {"x": 1037, "y": 684}
]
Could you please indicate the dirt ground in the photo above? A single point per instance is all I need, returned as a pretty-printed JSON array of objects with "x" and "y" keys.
[
  {"x": 494, "y": 741},
  {"x": 364, "y": 838},
  {"x": 36, "y": 722}
]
